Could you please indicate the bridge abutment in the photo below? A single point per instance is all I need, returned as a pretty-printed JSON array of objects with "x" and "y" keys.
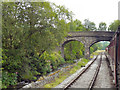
[
  {"x": 62, "y": 51},
  {"x": 87, "y": 52}
]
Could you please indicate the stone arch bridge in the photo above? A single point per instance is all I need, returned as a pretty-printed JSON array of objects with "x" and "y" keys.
[{"x": 88, "y": 38}]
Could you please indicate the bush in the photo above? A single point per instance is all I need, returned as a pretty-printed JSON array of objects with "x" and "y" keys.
[
  {"x": 56, "y": 60},
  {"x": 8, "y": 79},
  {"x": 49, "y": 62},
  {"x": 73, "y": 50},
  {"x": 85, "y": 61},
  {"x": 30, "y": 67},
  {"x": 70, "y": 61}
]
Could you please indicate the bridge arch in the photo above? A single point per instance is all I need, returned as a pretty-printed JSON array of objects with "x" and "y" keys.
[
  {"x": 97, "y": 42},
  {"x": 65, "y": 42},
  {"x": 88, "y": 38}
]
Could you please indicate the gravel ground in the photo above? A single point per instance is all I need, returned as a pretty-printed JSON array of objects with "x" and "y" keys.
[
  {"x": 85, "y": 79},
  {"x": 73, "y": 76},
  {"x": 104, "y": 80}
]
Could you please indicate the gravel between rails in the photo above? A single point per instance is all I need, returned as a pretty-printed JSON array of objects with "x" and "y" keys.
[
  {"x": 73, "y": 76},
  {"x": 104, "y": 80},
  {"x": 85, "y": 79}
]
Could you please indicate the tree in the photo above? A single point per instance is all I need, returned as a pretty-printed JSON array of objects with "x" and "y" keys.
[
  {"x": 102, "y": 26},
  {"x": 29, "y": 30},
  {"x": 89, "y": 26},
  {"x": 72, "y": 26},
  {"x": 114, "y": 25},
  {"x": 76, "y": 25},
  {"x": 99, "y": 46},
  {"x": 79, "y": 26}
]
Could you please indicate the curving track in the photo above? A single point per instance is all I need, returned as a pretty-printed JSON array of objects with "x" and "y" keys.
[
  {"x": 89, "y": 77},
  {"x": 86, "y": 80}
]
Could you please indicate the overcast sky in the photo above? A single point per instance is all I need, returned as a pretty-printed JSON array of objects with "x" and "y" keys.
[{"x": 94, "y": 10}]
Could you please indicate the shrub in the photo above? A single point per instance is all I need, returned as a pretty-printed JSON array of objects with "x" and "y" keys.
[
  {"x": 70, "y": 61},
  {"x": 8, "y": 79},
  {"x": 56, "y": 60},
  {"x": 49, "y": 62}
]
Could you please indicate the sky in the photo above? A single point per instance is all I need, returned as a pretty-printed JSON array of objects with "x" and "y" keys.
[{"x": 95, "y": 10}]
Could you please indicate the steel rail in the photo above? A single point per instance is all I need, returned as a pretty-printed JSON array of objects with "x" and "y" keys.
[
  {"x": 70, "y": 83},
  {"x": 95, "y": 75}
]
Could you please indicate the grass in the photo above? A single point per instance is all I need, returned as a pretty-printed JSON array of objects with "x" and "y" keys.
[
  {"x": 96, "y": 53},
  {"x": 63, "y": 76}
]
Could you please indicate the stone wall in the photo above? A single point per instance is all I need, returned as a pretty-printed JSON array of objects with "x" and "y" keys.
[{"x": 47, "y": 79}]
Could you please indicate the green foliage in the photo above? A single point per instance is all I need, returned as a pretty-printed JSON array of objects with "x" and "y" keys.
[
  {"x": 96, "y": 53},
  {"x": 29, "y": 31},
  {"x": 91, "y": 49},
  {"x": 69, "y": 61},
  {"x": 79, "y": 26},
  {"x": 83, "y": 62},
  {"x": 8, "y": 79},
  {"x": 76, "y": 25},
  {"x": 63, "y": 76},
  {"x": 89, "y": 26},
  {"x": 99, "y": 46},
  {"x": 73, "y": 50},
  {"x": 102, "y": 26},
  {"x": 56, "y": 60},
  {"x": 0, "y": 83},
  {"x": 114, "y": 25}
]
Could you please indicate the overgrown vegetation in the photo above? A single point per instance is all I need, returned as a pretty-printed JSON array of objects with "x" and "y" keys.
[
  {"x": 63, "y": 76},
  {"x": 8, "y": 79},
  {"x": 31, "y": 33},
  {"x": 96, "y": 53},
  {"x": 99, "y": 46},
  {"x": 74, "y": 50}
]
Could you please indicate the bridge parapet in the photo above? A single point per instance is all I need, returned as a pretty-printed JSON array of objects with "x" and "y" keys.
[{"x": 91, "y": 34}]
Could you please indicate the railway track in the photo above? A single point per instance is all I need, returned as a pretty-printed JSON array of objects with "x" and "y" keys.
[{"x": 83, "y": 80}]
